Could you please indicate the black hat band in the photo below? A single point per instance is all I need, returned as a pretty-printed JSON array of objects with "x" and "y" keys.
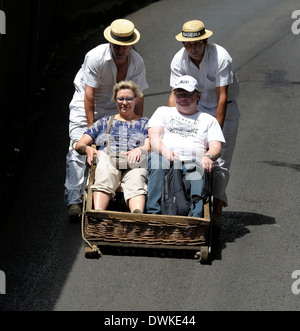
[
  {"x": 121, "y": 38},
  {"x": 194, "y": 34}
]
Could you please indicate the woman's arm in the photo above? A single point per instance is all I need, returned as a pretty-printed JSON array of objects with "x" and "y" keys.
[{"x": 83, "y": 148}]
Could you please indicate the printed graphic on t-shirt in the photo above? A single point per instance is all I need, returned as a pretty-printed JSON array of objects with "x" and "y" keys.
[{"x": 183, "y": 127}]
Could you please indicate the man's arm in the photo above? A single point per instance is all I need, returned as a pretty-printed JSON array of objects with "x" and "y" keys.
[
  {"x": 155, "y": 135},
  {"x": 213, "y": 153},
  {"x": 139, "y": 108},
  {"x": 89, "y": 104},
  {"x": 222, "y": 93},
  {"x": 172, "y": 100}
]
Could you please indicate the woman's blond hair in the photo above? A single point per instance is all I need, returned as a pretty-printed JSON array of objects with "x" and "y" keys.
[{"x": 127, "y": 85}]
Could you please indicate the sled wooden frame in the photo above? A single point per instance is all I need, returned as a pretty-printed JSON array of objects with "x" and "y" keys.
[{"x": 145, "y": 231}]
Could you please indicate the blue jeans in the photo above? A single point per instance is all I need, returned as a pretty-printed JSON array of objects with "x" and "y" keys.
[{"x": 158, "y": 169}]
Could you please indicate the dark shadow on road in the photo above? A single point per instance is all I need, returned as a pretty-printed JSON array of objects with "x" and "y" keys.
[
  {"x": 38, "y": 246},
  {"x": 150, "y": 252},
  {"x": 283, "y": 164},
  {"x": 234, "y": 226}
]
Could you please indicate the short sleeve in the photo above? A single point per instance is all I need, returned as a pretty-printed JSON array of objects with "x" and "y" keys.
[{"x": 158, "y": 118}]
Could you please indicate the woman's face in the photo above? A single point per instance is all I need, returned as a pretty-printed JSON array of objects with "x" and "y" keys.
[{"x": 126, "y": 102}]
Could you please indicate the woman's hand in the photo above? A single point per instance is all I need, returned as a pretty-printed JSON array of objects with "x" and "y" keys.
[
  {"x": 134, "y": 155},
  {"x": 90, "y": 152},
  {"x": 83, "y": 148}
]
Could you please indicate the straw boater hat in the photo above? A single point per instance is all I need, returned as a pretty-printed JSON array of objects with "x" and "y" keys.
[
  {"x": 193, "y": 31},
  {"x": 122, "y": 32}
]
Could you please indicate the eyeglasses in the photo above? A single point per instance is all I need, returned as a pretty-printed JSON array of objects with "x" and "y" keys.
[{"x": 121, "y": 100}]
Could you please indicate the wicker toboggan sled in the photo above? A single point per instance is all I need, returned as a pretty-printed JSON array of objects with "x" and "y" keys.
[{"x": 123, "y": 229}]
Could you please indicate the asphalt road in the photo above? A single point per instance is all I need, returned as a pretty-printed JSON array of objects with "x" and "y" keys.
[{"x": 42, "y": 254}]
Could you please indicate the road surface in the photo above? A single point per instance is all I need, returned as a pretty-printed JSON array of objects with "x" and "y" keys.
[{"x": 42, "y": 254}]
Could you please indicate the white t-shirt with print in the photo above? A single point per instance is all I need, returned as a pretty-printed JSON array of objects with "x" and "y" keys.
[{"x": 187, "y": 135}]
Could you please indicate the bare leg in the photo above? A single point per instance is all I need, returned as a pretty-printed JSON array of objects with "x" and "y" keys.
[
  {"x": 137, "y": 203},
  {"x": 101, "y": 200}
]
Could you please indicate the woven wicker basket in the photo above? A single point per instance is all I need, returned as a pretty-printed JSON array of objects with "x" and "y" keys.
[
  {"x": 108, "y": 228},
  {"x": 113, "y": 227}
]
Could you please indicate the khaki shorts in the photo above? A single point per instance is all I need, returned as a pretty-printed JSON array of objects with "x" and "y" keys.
[{"x": 108, "y": 179}]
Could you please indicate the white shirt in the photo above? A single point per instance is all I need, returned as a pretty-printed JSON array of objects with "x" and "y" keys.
[
  {"x": 187, "y": 135},
  {"x": 99, "y": 71},
  {"x": 216, "y": 70}
]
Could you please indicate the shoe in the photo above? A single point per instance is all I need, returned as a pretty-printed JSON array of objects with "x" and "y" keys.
[
  {"x": 74, "y": 211},
  {"x": 136, "y": 211}
]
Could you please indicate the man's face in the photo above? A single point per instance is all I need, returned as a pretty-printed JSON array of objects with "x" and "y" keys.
[
  {"x": 120, "y": 53},
  {"x": 196, "y": 49},
  {"x": 186, "y": 102}
]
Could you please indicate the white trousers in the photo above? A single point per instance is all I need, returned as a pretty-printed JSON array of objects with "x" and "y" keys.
[
  {"x": 222, "y": 165},
  {"x": 76, "y": 176}
]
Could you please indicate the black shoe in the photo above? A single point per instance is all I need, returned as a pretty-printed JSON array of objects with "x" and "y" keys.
[{"x": 74, "y": 212}]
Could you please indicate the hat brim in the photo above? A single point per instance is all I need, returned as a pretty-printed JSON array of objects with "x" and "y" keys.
[
  {"x": 207, "y": 34},
  {"x": 186, "y": 89},
  {"x": 135, "y": 38}
]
